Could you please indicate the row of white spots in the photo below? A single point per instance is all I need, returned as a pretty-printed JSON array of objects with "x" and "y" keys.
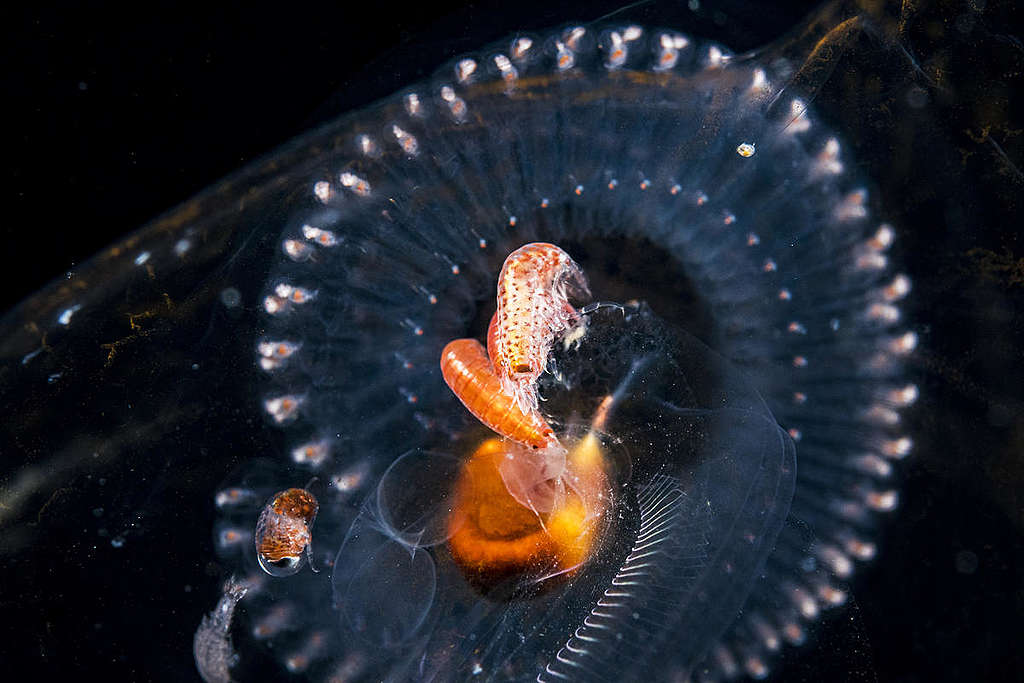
[
  {"x": 810, "y": 594},
  {"x": 836, "y": 554}
]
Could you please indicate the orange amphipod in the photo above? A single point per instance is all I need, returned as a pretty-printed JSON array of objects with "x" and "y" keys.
[
  {"x": 499, "y": 385},
  {"x": 523, "y": 507},
  {"x": 466, "y": 369},
  {"x": 533, "y": 309},
  {"x": 534, "y": 287},
  {"x": 284, "y": 531}
]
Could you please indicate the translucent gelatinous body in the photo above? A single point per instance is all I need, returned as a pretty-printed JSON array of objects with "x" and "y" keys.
[
  {"x": 716, "y": 496},
  {"x": 780, "y": 248},
  {"x": 697, "y": 188}
]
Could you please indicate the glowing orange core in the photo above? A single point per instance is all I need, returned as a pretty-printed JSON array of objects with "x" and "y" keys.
[{"x": 493, "y": 538}]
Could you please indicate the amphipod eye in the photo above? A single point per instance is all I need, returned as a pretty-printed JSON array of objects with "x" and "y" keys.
[{"x": 284, "y": 531}]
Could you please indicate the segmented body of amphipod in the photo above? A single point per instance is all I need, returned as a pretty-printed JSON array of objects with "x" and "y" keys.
[
  {"x": 284, "y": 531},
  {"x": 534, "y": 287},
  {"x": 471, "y": 376}
]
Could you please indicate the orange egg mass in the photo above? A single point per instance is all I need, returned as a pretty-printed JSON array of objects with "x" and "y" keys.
[{"x": 495, "y": 539}]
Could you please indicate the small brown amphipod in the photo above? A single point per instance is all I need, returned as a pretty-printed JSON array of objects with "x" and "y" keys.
[{"x": 284, "y": 532}]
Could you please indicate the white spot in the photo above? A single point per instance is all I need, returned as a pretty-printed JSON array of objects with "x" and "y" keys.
[
  {"x": 862, "y": 550},
  {"x": 618, "y": 51},
  {"x": 904, "y": 344},
  {"x": 354, "y": 183},
  {"x": 65, "y": 316},
  {"x": 564, "y": 57},
  {"x": 367, "y": 146},
  {"x": 882, "y": 501},
  {"x": 839, "y": 563},
  {"x": 293, "y": 294},
  {"x": 874, "y": 465},
  {"x": 456, "y": 105},
  {"x": 324, "y": 238},
  {"x": 234, "y": 495},
  {"x": 312, "y": 454},
  {"x": 509, "y": 74},
  {"x": 852, "y": 206},
  {"x": 759, "y": 84},
  {"x": 669, "y": 45},
  {"x": 574, "y": 36},
  {"x": 322, "y": 191},
  {"x": 904, "y": 396},
  {"x": 464, "y": 70},
  {"x": 882, "y": 239},
  {"x": 520, "y": 47},
  {"x": 413, "y": 106},
  {"x": 282, "y": 408},
  {"x": 831, "y": 596},
  {"x": 716, "y": 57},
  {"x": 797, "y": 121},
  {"x": 898, "y": 448},
  {"x": 349, "y": 480},
  {"x": 827, "y": 161},
  {"x": 233, "y": 537},
  {"x": 296, "y": 250},
  {"x": 886, "y": 313},
  {"x": 277, "y": 349},
  {"x": 897, "y": 289}
]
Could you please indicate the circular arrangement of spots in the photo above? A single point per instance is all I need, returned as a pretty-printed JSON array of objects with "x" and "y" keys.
[{"x": 746, "y": 330}]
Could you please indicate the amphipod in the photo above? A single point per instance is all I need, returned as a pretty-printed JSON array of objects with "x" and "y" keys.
[
  {"x": 284, "y": 531},
  {"x": 523, "y": 505},
  {"x": 470, "y": 374},
  {"x": 533, "y": 293},
  {"x": 534, "y": 288}
]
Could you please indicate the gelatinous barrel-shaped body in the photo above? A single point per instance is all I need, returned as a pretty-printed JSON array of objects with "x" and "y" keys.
[
  {"x": 729, "y": 408},
  {"x": 670, "y": 170}
]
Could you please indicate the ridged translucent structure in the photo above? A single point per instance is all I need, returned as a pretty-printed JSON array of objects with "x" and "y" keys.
[{"x": 681, "y": 178}]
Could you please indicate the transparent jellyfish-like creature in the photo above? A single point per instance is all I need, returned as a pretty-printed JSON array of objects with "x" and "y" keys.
[{"x": 729, "y": 397}]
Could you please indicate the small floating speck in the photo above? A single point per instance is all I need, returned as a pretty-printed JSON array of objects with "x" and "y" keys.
[
  {"x": 746, "y": 150},
  {"x": 230, "y": 297},
  {"x": 65, "y": 316}
]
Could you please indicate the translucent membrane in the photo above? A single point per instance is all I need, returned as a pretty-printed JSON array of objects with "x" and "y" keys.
[
  {"x": 290, "y": 320},
  {"x": 700, "y": 479}
]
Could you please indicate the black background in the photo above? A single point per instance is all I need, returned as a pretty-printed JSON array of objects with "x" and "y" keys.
[{"x": 119, "y": 113}]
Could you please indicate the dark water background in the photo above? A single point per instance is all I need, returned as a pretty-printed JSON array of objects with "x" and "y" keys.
[{"x": 120, "y": 115}]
